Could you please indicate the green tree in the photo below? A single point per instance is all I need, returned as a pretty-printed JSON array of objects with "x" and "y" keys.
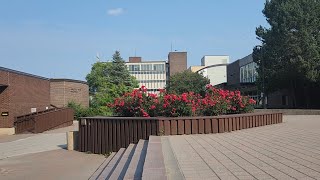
[
  {"x": 187, "y": 81},
  {"x": 289, "y": 55},
  {"x": 109, "y": 80}
]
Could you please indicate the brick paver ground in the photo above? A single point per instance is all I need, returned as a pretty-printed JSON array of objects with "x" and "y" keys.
[{"x": 290, "y": 150}]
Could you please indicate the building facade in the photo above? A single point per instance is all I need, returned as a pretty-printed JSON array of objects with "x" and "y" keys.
[
  {"x": 177, "y": 62},
  {"x": 248, "y": 73},
  {"x": 155, "y": 74},
  {"x": 21, "y": 93},
  {"x": 242, "y": 75},
  {"x": 214, "y": 68},
  {"x": 63, "y": 91}
]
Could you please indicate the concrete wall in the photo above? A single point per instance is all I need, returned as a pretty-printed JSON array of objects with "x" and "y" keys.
[
  {"x": 63, "y": 91},
  {"x": 216, "y": 75},
  {"x": 214, "y": 60},
  {"x": 216, "y": 68},
  {"x": 21, "y": 93}
]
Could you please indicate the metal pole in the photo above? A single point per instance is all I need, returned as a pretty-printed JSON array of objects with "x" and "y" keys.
[{"x": 263, "y": 88}]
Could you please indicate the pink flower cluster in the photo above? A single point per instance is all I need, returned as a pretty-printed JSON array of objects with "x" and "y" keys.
[{"x": 139, "y": 103}]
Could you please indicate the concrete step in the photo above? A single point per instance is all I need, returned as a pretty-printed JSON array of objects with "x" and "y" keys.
[
  {"x": 108, "y": 170},
  {"x": 121, "y": 168},
  {"x": 97, "y": 173},
  {"x": 154, "y": 167},
  {"x": 170, "y": 161},
  {"x": 135, "y": 168}
]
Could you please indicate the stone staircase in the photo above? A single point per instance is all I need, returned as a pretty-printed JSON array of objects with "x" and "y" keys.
[{"x": 139, "y": 161}]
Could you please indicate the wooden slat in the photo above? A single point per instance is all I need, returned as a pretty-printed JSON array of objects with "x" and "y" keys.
[
  {"x": 139, "y": 133},
  {"x": 181, "y": 127},
  {"x": 143, "y": 130},
  {"x": 161, "y": 127},
  {"x": 234, "y": 124},
  {"x": 226, "y": 124},
  {"x": 114, "y": 135},
  {"x": 215, "y": 125},
  {"x": 230, "y": 124},
  {"x": 135, "y": 128},
  {"x": 148, "y": 129},
  {"x": 201, "y": 126},
  {"x": 207, "y": 126},
  {"x": 98, "y": 127},
  {"x": 167, "y": 128},
  {"x": 127, "y": 132},
  {"x": 187, "y": 126},
  {"x": 220, "y": 125},
  {"x": 174, "y": 127},
  {"x": 195, "y": 126},
  {"x": 154, "y": 130}
]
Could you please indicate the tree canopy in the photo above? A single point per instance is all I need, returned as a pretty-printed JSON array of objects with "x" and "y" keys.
[
  {"x": 289, "y": 55},
  {"x": 187, "y": 81},
  {"x": 109, "y": 80}
]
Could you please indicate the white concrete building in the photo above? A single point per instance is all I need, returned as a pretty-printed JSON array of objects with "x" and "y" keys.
[
  {"x": 151, "y": 74},
  {"x": 214, "y": 68}
]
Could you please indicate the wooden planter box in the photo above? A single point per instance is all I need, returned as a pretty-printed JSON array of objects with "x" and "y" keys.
[{"x": 106, "y": 134}]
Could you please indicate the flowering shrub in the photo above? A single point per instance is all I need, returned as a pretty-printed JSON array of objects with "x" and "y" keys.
[{"x": 139, "y": 103}]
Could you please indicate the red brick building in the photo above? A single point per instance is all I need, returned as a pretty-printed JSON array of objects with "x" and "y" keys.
[
  {"x": 177, "y": 62},
  {"x": 63, "y": 91},
  {"x": 19, "y": 93},
  {"x": 22, "y": 93}
]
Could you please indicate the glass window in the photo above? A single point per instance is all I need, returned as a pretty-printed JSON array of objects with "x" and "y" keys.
[
  {"x": 134, "y": 67},
  {"x": 158, "y": 67},
  {"x": 146, "y": 67},
  {"x": 241, "y": 74},
  {"x": 249, "y": 72}
]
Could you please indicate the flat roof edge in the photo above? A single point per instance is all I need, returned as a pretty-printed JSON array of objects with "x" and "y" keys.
[
  {"x": 22, "y": 73},
  {"x": 67, "y": 80}
]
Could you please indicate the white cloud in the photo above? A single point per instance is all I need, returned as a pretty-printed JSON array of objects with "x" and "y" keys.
[{"x": 115, "y": 12}]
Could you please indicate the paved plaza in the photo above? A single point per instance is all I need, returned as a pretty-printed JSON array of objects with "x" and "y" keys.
[
  {"x": 43, "y": 156},
  {"x": 23, "y": 144},
  {"x": 290, "y": 150}
]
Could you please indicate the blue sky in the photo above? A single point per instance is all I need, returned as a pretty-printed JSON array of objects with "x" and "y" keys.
[{"x": 61, "y": 38}]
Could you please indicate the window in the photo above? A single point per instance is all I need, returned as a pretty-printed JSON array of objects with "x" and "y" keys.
[
  {"x": 146, "y": 67},
  {"x": 134, "y": 67},
  {"x": 158, "y": 67},
  {"x": 248, "y": 72}
]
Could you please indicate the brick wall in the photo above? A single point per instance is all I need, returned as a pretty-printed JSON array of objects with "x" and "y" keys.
[
  {"x": 134, "y": 59},
  {"x": 64, "y": 91},
  {"x": 4, "y": 99},
  {"x": 23, "y": 93},
  {"x": 177, "y": 62}
]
